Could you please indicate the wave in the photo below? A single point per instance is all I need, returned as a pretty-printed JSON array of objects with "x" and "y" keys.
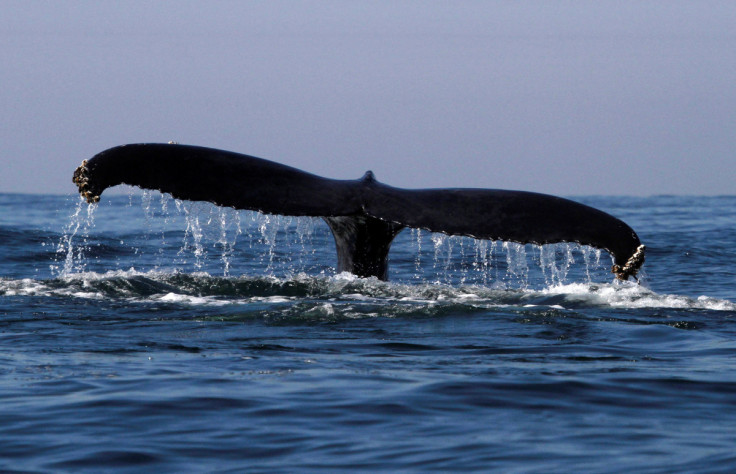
[{"x": 321, "y": 294}]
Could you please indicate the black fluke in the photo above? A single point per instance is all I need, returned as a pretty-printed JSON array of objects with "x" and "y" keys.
[{"x": 364, "y": 215}]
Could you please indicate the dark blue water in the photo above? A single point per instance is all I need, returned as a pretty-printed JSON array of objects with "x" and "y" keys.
[{"x": 147, "y": 334}]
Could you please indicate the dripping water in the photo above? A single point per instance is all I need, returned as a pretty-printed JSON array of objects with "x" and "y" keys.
[
  {"x": 417, "y": 247},
  {"x": 68, "y": 249},
  {"x": 282, "y": 246},
  {"x": 227, "y": 240},
  {"x": 193, "y": 233}
]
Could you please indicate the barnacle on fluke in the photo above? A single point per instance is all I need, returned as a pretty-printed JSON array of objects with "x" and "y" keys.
[
  {"x": 81, "y": 179},
  {"x": 632, "y": 266}
]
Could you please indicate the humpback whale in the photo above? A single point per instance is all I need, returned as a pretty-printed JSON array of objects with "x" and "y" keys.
[{"x": 364, "y": 214}]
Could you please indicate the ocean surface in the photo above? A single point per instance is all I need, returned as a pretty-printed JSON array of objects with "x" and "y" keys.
[{"x": 148, "y": 334}]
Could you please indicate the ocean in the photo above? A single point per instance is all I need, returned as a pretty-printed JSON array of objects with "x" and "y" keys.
[{"x": 146, "y": 333}]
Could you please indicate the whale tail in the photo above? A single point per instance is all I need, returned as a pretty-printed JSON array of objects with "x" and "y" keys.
[{"x": 364, "y": 215}]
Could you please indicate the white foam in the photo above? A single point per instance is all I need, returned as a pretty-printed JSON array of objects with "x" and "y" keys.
[
  {"x": 270, "y": 299},
  {"x": 629, "y": 295},
  {"x": 86, "y": 285},
  {"x": 357, "y": 296},
  {"x": 716, "y": 304},
  {"x": 187, "y": 299},
  {"x": 24, "y": 287}
]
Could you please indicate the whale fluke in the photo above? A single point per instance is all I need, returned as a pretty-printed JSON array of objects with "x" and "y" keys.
[{"x": 364, "y": 214}]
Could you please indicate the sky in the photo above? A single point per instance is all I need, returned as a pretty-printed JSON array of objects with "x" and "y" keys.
[{"x": 563, "y": 97}]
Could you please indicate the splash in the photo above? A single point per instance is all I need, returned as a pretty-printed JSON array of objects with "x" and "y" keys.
[
  {"x": 74, "y": 240},
  {"x": 348, "y": 295},
  {"x": 268, "y": 227},
  {"x": 229, "y": 221},
  {"x": 198, "y": 236},
  {"x": 517, "y": 268},
  {"x": 193, "y": 235},
  {"x": 417, "y": 241}
]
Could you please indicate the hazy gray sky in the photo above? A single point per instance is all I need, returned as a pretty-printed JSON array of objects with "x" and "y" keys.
[{"x": 564, "y": 97}]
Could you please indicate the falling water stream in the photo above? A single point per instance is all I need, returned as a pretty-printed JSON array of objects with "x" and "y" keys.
[{"x": 208, "y": 233}]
